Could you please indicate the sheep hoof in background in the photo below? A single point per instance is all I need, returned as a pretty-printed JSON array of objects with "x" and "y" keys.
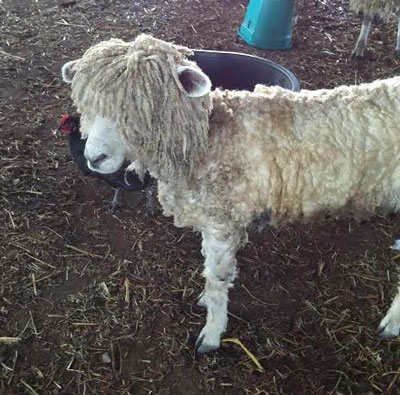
[{"x": 357, "y": 53}]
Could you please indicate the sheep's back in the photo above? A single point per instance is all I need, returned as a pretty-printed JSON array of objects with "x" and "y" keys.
[
  {"x": 296, "y": 155},
  {"x": 302, "y": 154}
]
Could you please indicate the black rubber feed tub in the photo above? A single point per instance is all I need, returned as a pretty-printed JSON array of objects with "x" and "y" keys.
[{"x": 232, "y": 70}]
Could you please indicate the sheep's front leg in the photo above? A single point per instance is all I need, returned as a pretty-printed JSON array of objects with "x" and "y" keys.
[
  {"x": 397, "y": 50},
  {"x": 358, "y": 51},
  {"x": 219, "y": 250},
  {"x": 390, "y": 325}
]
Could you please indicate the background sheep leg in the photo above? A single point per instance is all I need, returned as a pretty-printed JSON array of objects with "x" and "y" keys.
[
  {"x": 390, "y": 325},
  {"x": 358, "y": 51},
  {"x": 219, "y": 250},
  {"x": 397, "y": 50}
]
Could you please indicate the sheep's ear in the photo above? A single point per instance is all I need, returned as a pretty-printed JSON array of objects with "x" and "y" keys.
[
  {"x": 68, "y": 71},
  {"x": 194, "y": 81}
]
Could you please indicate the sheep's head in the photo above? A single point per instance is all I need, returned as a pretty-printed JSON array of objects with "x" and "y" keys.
[{"x": 143, "y": 101}]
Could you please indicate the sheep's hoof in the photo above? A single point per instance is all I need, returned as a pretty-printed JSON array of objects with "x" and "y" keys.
[
  {"x": 389, "y": 327},
  {"x": 207, "y": 341},
  {"x": 357, "y": 55}
]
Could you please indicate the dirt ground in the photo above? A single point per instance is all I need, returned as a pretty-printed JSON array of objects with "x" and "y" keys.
[{"x": 105, "y": 304}]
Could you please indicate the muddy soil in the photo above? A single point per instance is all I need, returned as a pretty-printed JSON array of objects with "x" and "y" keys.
[{"x": 99, "y": 303}]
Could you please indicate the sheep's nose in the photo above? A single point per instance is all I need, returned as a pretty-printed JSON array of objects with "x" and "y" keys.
[{"x": 97, "y": 161}]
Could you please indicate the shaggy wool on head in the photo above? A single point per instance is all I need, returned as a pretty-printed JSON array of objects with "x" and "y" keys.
[{"x": 136, "y": 84}]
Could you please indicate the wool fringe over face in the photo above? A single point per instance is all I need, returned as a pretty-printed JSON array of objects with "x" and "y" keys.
[
  {"x": 383, "y": 8},
  {"x": 137, "y": 85}
]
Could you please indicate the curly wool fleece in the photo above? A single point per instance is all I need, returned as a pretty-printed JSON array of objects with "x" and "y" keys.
[{"x": 295, "y": 154}]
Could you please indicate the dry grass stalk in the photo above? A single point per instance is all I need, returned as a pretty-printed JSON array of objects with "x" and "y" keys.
[{"x": 9, "y": 340}]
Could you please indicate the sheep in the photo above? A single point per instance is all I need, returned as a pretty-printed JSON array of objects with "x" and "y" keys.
[
  {"x": 371, "y": 8},
  {"x": 224, "y": 158}
]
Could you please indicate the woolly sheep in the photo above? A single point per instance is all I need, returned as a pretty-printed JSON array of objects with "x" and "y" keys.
[
  {"x": 371, "y": 8},
  {"x": 222, "y": 158}
]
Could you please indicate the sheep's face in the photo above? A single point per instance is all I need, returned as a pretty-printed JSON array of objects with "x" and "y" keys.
[{"x": 105, "y": 148}]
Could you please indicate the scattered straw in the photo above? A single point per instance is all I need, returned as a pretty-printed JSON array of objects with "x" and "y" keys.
[
  {"x": 126, "y": 292},
  {"x": 246, "y": 350},
  {"x": 40, "y": 261},
  {"x": 3, "y": 53},
  {"x": 339, "y": 266},
  {"x": 29, "y": 388},
  {"x": 83, "y": 252},
  {"x": 9, "y": 340},
  {"x": 34, "y": 284}
]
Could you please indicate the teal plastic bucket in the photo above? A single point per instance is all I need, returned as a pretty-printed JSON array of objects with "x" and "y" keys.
[{"x": 268, "y": 24}]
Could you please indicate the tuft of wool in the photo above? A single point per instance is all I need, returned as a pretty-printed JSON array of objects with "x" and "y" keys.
[
  {"x": 137, "y": 85},
  {"x": 383, "y": 8}
]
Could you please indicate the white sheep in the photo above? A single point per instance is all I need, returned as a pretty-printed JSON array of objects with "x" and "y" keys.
[
  {"x": 222, "y": 158},
  {"x": 369, "y": 9}
]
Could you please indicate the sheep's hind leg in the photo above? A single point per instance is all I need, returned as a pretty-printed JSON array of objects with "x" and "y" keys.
[
  {"x": 390, "y": 325},
  {"x": 397, "y": 50},
  {"x": 358, "y": 51},
  {"x": 219, "y": 249}
]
